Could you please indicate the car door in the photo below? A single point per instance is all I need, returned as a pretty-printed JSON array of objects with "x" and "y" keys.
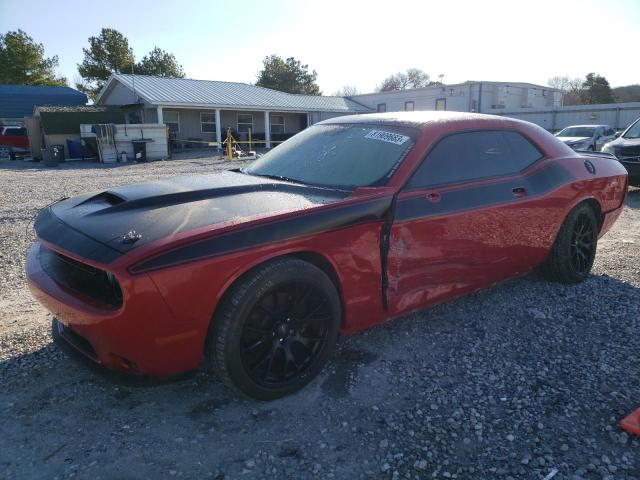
[{"x": 464, "y": 219}]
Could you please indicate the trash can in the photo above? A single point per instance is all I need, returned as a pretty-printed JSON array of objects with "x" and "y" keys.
[
  {"x": 48, "y": 157},
  {"x": 139, "y": 150},
  {"x": 75, "y": 148},
  {"x": 58, "y": 152}
]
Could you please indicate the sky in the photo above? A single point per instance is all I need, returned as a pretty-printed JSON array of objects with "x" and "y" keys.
[{"x": 353, "y": 42}]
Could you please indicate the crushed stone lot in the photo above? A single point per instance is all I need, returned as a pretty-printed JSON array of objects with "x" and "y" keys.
[{"x": 518, "y": 381}]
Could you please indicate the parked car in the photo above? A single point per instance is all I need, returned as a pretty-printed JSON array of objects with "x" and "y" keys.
[
  {"x": 626, "y": 148},
  {"x": 254, "y": 271},
  {"x": 586, "y": 137},
  {"x": 16, "y": 137}
]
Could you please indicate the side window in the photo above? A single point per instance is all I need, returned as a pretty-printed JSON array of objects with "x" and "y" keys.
[{"x": 475, "y": 155}]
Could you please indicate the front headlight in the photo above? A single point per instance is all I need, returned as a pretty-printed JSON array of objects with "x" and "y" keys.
[{"x": 608, "y": 148}]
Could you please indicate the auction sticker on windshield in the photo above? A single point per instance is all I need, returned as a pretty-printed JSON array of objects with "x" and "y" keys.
[{"x": 389, "y": 137}]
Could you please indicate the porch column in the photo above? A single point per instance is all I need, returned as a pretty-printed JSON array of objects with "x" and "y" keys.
[
  {"x": 218, "y": 129},
  {"x": 160, "y": 119},
  {"x": 267, "y": 130}
]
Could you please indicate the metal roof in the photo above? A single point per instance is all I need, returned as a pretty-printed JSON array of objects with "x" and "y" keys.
[
  {"x": 217, "y": 94},
  {"x": 17, "y": 101}
]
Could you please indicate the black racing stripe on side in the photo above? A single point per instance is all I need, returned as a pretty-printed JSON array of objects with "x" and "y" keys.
[
  {"x": 276, "y": 231},
  {"x": 544, "y": 180},
  {"x": 50, "y": 228}
]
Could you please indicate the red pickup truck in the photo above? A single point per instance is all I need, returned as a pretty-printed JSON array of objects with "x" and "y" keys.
[{"x": 16, "y": 137}]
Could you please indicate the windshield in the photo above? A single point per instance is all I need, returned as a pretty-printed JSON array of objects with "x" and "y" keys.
[
  {"x": 577, "y": 132},
  {"x": 633, "y": 131},
  {"x": 345, "y": 155}
]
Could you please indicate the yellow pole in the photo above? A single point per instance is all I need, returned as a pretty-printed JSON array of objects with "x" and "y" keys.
[
  {"x": 250, "y": 146},
  {"x": 229, "y": 141}
]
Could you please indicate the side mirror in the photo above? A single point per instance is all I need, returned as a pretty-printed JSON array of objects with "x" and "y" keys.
[{"x": 617, "y": 134}]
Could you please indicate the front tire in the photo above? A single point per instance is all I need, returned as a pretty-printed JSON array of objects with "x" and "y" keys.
[
  {"x": 574, "y": 250},
  {"x": 276, "y": 330}
]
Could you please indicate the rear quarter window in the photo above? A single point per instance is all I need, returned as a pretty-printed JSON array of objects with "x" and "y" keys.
[{"x": 475, "y": 155}]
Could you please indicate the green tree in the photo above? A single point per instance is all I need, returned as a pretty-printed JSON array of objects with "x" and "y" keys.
[
  {"x": 159, "y": 63},
  {"x": 22, "y": 61},
  {"x": 108, "y": 53},
  {"x": 411, "y": 78},
  {"x": 596, "y": 89},
  {"x": 288, "y": 75}
]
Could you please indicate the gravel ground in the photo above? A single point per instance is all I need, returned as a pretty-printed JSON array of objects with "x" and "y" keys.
[{"x": 516, "y": 382}]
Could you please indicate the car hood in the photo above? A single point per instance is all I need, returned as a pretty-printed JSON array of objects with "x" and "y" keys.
[
  {"x": 573, "y": 139},
  {"x": 124, "y": 218},
  {"x": 625, "y": 142}
]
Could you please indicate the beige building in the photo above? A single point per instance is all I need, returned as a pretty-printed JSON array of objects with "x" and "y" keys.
[{"x": 201, "y": 110}]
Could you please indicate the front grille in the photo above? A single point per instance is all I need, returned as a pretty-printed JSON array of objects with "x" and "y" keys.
[
  {"x": 80, "y": 277},
  {"x": 628, "y": 153}
]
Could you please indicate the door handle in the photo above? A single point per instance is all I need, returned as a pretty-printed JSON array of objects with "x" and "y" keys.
[
  {"x": 434, "y": 197},
  {"x": 519, "y": 191}
]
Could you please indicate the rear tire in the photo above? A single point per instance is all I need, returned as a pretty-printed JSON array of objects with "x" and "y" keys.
[
  {"x": 276, "y": 330},
  {"x": 574, "y": 250}
]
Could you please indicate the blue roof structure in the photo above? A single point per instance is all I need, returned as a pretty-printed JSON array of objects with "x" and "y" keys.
[{"x": 17, "y": 101}]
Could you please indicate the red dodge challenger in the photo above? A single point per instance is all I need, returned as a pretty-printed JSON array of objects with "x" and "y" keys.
[{"x": 253, "y": 272}]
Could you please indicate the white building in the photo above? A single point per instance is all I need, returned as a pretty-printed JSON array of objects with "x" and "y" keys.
[{"x": 479, "y": 97}]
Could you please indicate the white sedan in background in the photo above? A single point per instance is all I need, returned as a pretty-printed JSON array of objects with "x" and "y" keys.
[{"x": 586, "y": 137}]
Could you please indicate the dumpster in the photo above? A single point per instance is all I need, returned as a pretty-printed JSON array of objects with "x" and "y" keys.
[{"x": 139, "y": 150}]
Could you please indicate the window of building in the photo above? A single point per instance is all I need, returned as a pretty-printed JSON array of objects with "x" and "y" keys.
[
  {"x": 409, "y": 106},
  {"x": 245, "y": 122},
  {"x": 474, "y": 155},
  {"x": 172, "y": 120},
  {"x": 277, "y": 123},
  {"x": 441, "y": 104},
  {"x": 207, "y": 122},
  {"x": 382, "y": 107}
]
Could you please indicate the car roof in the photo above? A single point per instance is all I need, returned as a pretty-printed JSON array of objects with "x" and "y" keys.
[{"x": 423, "y": 118}]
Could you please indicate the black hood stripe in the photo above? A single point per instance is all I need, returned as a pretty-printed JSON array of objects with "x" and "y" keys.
[
  {"x": 308, "y": 223},
  {"x": 50, "y": 228}
]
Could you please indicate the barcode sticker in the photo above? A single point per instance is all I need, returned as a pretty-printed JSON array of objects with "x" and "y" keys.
[{"x": 388, "y": 137}]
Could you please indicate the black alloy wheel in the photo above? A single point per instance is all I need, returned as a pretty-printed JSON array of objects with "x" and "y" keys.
[
  {"x": 284, "y": 333},
  {"x": 276, "y": 329},
  {"x": 583, "y": 244},
  {"x": 574, "y": 250}
]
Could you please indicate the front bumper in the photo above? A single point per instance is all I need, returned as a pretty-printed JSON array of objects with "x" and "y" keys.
[
  {"x": 634, "y": 172},
  {"x": 142, "y": 336}
]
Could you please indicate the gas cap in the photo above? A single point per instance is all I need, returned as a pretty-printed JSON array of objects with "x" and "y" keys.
[{"x": 589, "y": 166}]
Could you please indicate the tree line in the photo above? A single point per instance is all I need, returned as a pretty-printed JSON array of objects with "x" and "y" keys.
[
  {"x": 593, "y": 89},
  {"x": 23, "y": 61}
]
